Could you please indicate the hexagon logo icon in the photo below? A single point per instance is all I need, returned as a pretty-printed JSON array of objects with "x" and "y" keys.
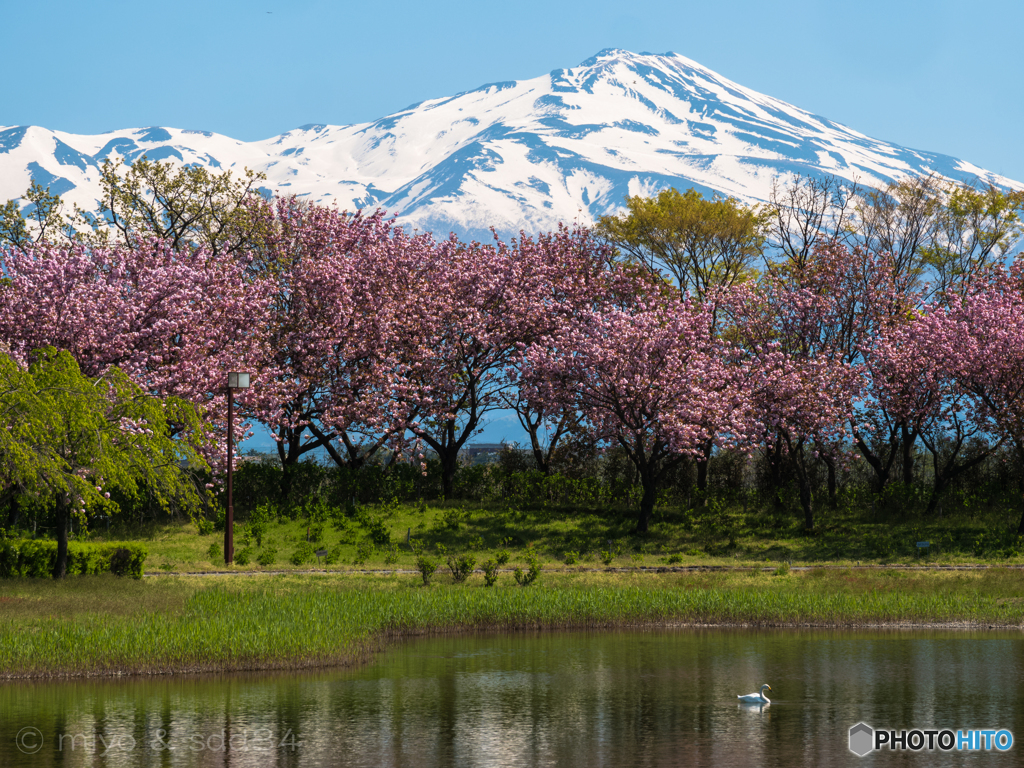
[{"x": 862, "y": 737}]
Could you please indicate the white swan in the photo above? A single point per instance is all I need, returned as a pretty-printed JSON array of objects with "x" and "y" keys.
[{"x": 756, "y": 698}]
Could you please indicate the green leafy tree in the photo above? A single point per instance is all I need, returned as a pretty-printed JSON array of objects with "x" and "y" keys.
[
  {"x": 976, "y": 227},
  {"x": 184, "y": 205},
  {"x": 69, "y": 440},
  {"x": 42, "y": 219},
  {"x": 701, "y": 243}
]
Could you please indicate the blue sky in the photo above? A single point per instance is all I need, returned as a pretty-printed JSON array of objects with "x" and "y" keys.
[{"x": 940, "y": 75}]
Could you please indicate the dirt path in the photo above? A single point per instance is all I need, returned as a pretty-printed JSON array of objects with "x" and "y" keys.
[{"x": 638, "y": 569}]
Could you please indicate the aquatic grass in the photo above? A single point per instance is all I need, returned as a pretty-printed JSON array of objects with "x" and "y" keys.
[{"x": 289, "y": 622}]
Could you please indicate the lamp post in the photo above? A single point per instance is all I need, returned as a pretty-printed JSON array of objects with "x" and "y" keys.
[{"x": 235, "y": 381}]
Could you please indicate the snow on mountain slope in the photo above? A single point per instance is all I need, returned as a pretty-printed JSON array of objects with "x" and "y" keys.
[{"x": 515, "y": 155}]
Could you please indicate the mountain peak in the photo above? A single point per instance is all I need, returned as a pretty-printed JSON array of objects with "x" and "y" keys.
[{"x": 515, "y": 155}]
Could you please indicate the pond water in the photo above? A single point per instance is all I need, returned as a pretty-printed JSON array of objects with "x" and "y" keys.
[{"x": 663, "y": 697}]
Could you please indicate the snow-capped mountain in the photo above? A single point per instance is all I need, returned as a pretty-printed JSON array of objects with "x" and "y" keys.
[{"x": 517, "y": 154}]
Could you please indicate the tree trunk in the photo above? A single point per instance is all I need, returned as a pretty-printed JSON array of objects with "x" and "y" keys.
[
  {"x": 803, "y": 483},
  {"x": 775, "y": 461},
  {"x": 60, "y": 567},
  {"x": 449, "y": 465},
  {"x": 643, "y": 519},
  {"x": 907, "y": 444},
  {"x": 880, "y": 467},
  {"x": 1020, "y": 525},
  {"x": 13, "y": 512},
  {"x": 702, "y": 462},
  {"x": 831, "y": 465}
]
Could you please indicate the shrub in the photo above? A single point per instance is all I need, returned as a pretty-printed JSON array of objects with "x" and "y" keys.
[
  {"x": 268, "y": 556},
  {"x": 526, "y": 579},
  {"x": 333, "y": 555},
  {"x": 673, "y": 559},
  {"x": 452, "y": 519},
  {"x": 490, "y": 573},
  {"x": 364, "y": 551},
  {"x": 126, "y": 560},
  {"x": 259, "y": 519},
  {"x": 377, "y": 528},
  {"x": 214, "y": 552},
  {"x": 243, "y": 556},
  {"x": 502, "y": 556},
  {"x": 391, "y": 555},
  {"x": 426, "y": 565},
  {"x": 461, "y": 566},
  {"x": 302, "y": 554},
  {"x": 572, "y": 557},
  {"x": 204, "y": 526},
  {"x": 20, "y": 558},
  {"x": 316, "y": 533},
  {"x": 606, "y": 556}
]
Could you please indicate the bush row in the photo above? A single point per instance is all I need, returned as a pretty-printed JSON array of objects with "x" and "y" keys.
[{"x": 21, "y": 557}]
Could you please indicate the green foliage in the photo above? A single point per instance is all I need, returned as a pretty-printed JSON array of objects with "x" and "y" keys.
[
  {"x": 45, "y": 222},
  {"x": 461, "y": 567},
  {"x": 258, "y": 521},
  {"x": 267, "y": 556},
  {"x": 214, "y": 553},
  {"x": 333, "y": 555},
  {"x": 572, "y": 557},
  {"x": 490, "y": 573},
  {"x": 378, "y": 530},
  {"x": 36, "y": 558},
  {"x": 204, "y": 527},
  {"x": 303, "y": 554},
  {"x": 243, "y": 556},
  {"x": 427, "y": 566},
  {"x": 364, "y": 551},
  {"x": 453, "y": 519},
  {"x": 502, "y": 556},
  {"x": 316, "y": 533},
  {"x": 72, "y": 440},
  {"x": 702, "y": 243},
  {"x": 186, "y": 206},
  {"x": 531, "y": 575}
]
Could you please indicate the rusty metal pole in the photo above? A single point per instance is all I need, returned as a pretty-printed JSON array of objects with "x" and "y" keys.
[{"x": 229, "y": 519}]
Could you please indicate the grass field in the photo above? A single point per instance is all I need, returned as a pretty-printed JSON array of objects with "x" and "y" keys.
[
  {"x": 392, "y": 536},
  {"x": 100, "y": 625}
]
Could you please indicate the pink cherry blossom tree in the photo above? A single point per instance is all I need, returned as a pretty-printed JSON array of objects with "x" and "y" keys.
[
  {"x": 345, "y": 288},
  {"x": 175, "y": 322},
  {"x": 487, "y": 303},
  {"x": 799, "y": 330},
  {"x": 970, "y": 354},
  {"x": 648, "y": 377}
]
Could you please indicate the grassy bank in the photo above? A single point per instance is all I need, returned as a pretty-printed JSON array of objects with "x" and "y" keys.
[
  {"x": 392, "y": 535},
  {"x": 103, "y": 626}
]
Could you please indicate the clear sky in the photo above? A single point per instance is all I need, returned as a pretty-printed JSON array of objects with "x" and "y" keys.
[{"x": 940, "y": 75}]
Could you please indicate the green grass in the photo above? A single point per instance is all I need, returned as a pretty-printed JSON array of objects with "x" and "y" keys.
[
  {"x": 718, "y": 536},
  {"x": 103, "y": 626}
]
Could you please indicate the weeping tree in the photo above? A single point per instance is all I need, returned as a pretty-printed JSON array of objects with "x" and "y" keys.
[{"x": 69, "y": 440}]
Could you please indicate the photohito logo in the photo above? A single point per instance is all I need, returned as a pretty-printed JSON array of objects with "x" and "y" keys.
[{"x": 865, "y": 739}]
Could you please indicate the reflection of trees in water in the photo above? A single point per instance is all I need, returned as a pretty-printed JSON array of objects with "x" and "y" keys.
[{"x": 602, "y": 699}]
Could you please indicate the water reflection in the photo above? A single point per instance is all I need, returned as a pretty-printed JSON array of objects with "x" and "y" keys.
[{"x": 656, "y": 698}]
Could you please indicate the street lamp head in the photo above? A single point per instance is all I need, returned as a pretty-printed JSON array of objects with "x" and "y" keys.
[{"x": 238, "y": 380}]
